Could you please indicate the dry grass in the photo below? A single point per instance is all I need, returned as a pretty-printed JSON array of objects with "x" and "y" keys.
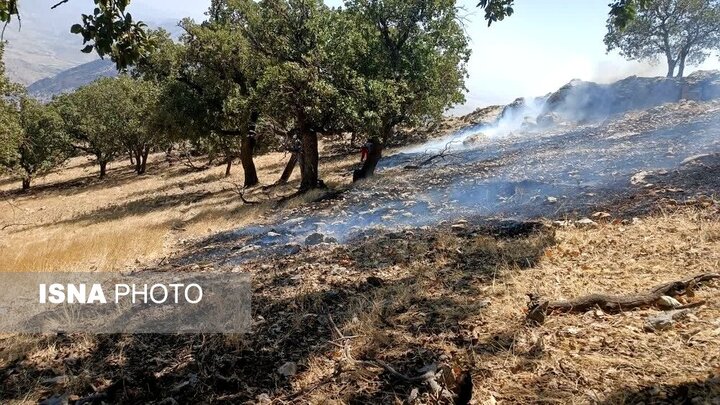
[
  {"x": 588, "y": 358},
  {"x": 72, "y": 221},
  {"x": 443, "y": 296},
  {"x": 595, "y": 356}
]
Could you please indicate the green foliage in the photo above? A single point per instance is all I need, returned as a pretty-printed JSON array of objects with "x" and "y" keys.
[
  {"x": 300, "y": 84},
  {"x": 207, "y": 84},
  {"x": 32, "y": 140},
  {"x": 107, "y": 132},
  {"x": 622, "y": 12},
  {"x": 138, "y": 104},
  {"x": 8, "y": 8},
  {"x": 109, "y": 30},
  {"x": 681, "y": 31},
  {"x": 9, "y": 132},
  {"x": 496, "y": 10},
  {"x": 413, "y": 62},
  {"x": 163, "y": 62},
  {"x": 42, "y": 142},
  {"x": 9, "y": 118}
]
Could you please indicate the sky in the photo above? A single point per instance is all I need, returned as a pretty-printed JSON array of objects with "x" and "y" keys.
[{"x": 543, "y": 46}]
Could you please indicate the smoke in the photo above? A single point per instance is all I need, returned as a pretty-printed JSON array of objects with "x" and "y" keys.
[
  {"x": 508, "y": 169},
  {"x": 578, "y": 102},
  {"x": 509, "y": 177},
  {"x": 610, "y": 71},
  {"x": 517, "y": 116}
]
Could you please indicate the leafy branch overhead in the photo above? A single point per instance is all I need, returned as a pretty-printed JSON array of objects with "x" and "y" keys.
[
  {"x": 109, "y": 30},
  {"x": 622, "y": 12},
  {"x": 497, "y": 10}
]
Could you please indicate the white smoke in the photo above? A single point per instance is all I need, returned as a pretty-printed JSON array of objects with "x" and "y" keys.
[{"x": 516, "y": 117}]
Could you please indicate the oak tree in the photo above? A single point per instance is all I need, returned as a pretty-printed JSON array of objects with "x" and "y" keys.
[
  {"x": 412, "y": 65},
  {"x": 9, "y": 118},
  {"x": 682, "y": 32},
  {"x": 300, "y": 90},
  {"x": 42, "y": 142},
  {"x": 106, "y": 133}
]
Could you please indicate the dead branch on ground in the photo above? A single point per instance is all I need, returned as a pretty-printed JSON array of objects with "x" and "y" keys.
[
  {"x": 441, "y": 155},
  {"x": 538, "y": 310},
  {"x": 188, "y": 162},
  {"x": 240, "y": 191},
  {"x": 428, "y": 372}
]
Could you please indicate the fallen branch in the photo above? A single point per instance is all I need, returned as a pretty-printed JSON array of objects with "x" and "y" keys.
[
  {"x": 240, "y": 191},
  {"x": 187, "y": 161},
  {"x": 92, "y": 399},
  {"x": 443, "y": 153},
  {"x": 538, "y": 310},
  {"x": 427, "y": 373}
]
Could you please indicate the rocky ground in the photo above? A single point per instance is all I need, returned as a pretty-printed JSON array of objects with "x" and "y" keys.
[{"x": 413, "y": 287}]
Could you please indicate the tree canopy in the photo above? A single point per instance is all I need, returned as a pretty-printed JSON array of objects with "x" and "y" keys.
[
  {"x": 106, "y": 133},
  {"x": 680, "y": 31},
  {"x": 9, "y": 123},
  {"x": 302, "y": 89},
  {"x": 209, "y": 88},
  {"x": 412, "y": 64},
  {"x": 42, "y": 143}
]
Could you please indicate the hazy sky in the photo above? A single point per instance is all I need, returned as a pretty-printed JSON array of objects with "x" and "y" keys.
[
  {"x": 175, "y": 8},
  {"x": 542, "y": 46}
]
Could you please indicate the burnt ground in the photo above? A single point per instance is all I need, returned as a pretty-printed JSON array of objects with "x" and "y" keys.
[
  {"x": 432, "y": 268},
  {"x": 566, "y": 172}
]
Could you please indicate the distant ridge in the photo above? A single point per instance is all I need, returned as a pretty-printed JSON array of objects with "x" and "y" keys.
[{"x": 69, "y": 80}]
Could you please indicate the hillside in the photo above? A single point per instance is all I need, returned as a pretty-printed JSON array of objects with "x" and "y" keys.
[
  {"x": 420, "y": 285},
  {"x": 42, "y": 46},
  {"x": 69, "y": 80}
]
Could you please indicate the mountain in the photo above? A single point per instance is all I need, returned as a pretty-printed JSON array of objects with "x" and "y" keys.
[
  {"x": 69, "y": 80},
  {"x": 41, "y": 46}
]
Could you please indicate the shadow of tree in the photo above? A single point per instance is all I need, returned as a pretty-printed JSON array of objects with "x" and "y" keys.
[
  {"x": 138, "y": 207},
  {"x": 120, "y": 175},
  {"x": 402, "y": 317}
]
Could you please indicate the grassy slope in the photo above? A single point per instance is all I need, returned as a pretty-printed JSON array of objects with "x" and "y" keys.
[
  {"x": 72, "y": 221},
  {"x": 455, "y": 296}
]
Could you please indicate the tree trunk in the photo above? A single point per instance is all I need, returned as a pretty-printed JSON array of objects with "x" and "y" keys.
[
  {"x": 132, "y": 158},
  {"x": 143, "y": 164},
  {"x": 681, "y": 67},
  {"x": 289, "y": 168},
  {"x": 26, "y": 183},
  {"x": 228, "y": 165},
  {"x": 375, "y": 148},
  {"x": 138, "y": 160},
  {"x": 247, "y": 150},
  {"x": 103, "y": 169},
  {"x": 309, "y": 160},
  {"x": 169, "y": 155},
  {"x": 671, "y": 67}
]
